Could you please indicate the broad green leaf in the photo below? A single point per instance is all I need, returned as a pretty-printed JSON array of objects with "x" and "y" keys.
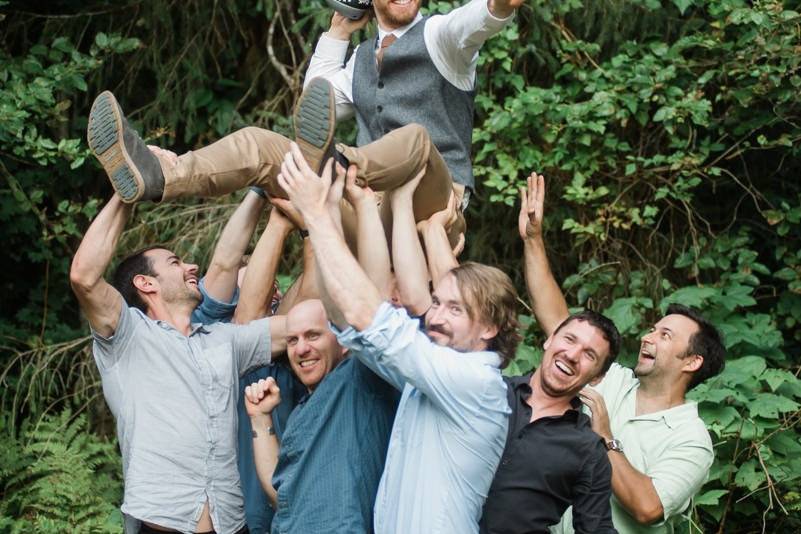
[
  {"x": 769, "y": 405},
  {"x": 710, "y": 497}
]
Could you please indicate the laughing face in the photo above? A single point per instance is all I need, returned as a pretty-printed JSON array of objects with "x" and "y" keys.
[
  {"x": 573, "y": 357},
  {"x": 662, "y": 350},
  {"x": 393, "y": 14},
  {"x": 177, "y": 281},
  {"x": 312, "y": 347}
]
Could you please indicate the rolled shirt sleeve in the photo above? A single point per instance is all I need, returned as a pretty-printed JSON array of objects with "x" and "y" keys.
[
  {"x": 681, "y": 471},
  {"x": 211, "y": 310}
]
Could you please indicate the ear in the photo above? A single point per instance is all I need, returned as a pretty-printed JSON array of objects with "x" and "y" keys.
[
  {"x": 145, "y": 284},
  {"x": 692, "y": 363},
  {"x": 547, "y": 342},
  {"x": 489, "y": 333}
]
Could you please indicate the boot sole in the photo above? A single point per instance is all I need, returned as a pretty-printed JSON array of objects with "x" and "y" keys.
[
  {"x": 315, "y": 121},
  {"x": 104, "y": 134}
]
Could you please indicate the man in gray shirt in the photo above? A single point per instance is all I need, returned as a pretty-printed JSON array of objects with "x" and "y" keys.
[{"x": 170, "y": 384}]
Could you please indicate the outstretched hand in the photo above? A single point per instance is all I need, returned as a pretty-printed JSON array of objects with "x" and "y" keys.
[
  {"x": 504, "y": 8},
  {"x": 532, "y": 206},
  {"x": 262, "y": 397},
  {"x": 307, "y": 191}
]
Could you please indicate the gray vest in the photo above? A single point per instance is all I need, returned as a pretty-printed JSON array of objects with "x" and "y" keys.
[{"x": 410, "y": 89}]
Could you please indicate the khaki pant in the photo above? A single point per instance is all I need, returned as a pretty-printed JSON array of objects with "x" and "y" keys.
[{"x": 253, "y": 156}]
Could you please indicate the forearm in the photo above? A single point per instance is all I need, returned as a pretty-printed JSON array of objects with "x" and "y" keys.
[
  {"x": 411, "y": 271},
  {"x": 308, "y": 287},
  {"x": 349, "y": 295},
  {"x": 99, "y": 243},
  {"x": 220, "y": 279},
  {"x": 634, "y": 490},
  {"x": 257, "y": 287},
  {"x": 547, "y": 300},
  {"x": 371, "y": 243},
  {"x": 328, "y": 62},
  {"x": 438, "y": 250},
  {"x": 265, "y": 454}
]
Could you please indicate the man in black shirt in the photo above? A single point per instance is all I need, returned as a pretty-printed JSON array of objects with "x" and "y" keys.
[{"x": 552, "y": 458}]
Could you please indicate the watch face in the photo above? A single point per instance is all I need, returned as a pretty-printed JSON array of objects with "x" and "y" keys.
[{"x": 614, "y": 445}]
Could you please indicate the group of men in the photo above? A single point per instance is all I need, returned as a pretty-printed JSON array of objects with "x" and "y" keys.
[{"x": 369, "y": 397}]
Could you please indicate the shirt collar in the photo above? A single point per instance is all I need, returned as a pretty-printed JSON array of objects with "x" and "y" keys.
[
  {"x": 485, "y": 357},
  {"x": 522, "y": 387},
  {"x": 398, "y": 32},
  {"x": 195, "y": 328}
]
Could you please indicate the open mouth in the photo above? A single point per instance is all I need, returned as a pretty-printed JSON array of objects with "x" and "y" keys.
[
  {"x": 401, "y": 2},
  {"x": 564, "y": 368},
  {"x": 192, "y": 281},
  {"x": 308, "y": 364},
  {"x": 645, "y": 354}
]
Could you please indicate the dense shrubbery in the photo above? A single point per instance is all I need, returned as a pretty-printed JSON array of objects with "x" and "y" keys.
[{"x": 669, "y": 132}]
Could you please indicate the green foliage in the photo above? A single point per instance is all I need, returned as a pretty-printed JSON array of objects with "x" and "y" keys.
[
  {"x": 59, "y": 478},
  {"x": 668, "y": 131}
]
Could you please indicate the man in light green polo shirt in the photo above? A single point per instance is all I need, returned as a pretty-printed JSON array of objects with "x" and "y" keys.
[{"x": 658, "y": 446}]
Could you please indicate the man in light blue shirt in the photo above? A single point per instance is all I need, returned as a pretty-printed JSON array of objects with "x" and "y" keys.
[{"x": 451, "y": 424}]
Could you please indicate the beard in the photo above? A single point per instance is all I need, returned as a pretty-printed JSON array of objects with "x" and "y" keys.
[{"x": 394, "y": 19}]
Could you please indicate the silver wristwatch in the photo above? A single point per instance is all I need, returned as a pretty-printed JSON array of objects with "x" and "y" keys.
[{"x": 614, "y": 445}]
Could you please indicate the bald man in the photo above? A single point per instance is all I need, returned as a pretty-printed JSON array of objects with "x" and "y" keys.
[{"x": 324, "y": 475}]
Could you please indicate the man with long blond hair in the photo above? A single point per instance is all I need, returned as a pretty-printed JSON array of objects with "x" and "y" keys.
[{"x": 451, "y": 423}]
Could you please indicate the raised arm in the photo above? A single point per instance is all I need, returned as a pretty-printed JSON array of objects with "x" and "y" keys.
[
  {"x": 547, "y": 300},
  {"x": 371, "y": 241},
  {"x": 454, "y": 39},
  {"x": 411, "y": 271},
  {"x": 328, "y": 61},
  {"x": 350, "y": 296},
  {"x": 221, "y": 276},
  {"x": 441, "y": 257},
  {"x": 100, "y": 302},
  {"x": 261, "y": 398},
  {"x": 257, "y": 287}
]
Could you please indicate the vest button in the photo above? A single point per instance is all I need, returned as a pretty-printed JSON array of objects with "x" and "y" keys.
[
  {"x": 380, "y": 109},
  {"x": 380, "y": 85}
]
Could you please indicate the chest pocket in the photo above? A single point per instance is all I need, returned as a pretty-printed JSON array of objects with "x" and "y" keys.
[{"x": 220, "y": 362}]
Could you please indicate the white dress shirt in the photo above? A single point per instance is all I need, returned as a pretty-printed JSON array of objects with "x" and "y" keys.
[{"x": 452, "y": 40}]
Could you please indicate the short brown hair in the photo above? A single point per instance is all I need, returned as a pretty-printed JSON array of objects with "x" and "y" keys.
[
  {"x": 490, "y": 297},
  {"x": 129, "y": 268}
]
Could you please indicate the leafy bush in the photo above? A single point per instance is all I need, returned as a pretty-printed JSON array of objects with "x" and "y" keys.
[
  {"x": 668, "y": 131},
  {"x": 59, "y": 478}
]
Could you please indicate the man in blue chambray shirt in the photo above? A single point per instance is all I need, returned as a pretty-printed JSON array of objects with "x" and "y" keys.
[
  {"x": 325, "y": 475},
  {"x": 451, "y": 424}
]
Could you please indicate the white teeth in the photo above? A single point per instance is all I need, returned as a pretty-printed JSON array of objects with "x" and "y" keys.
[
  {"x": 308, "y": 363},
  {"x": 565, "y": 369}
]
